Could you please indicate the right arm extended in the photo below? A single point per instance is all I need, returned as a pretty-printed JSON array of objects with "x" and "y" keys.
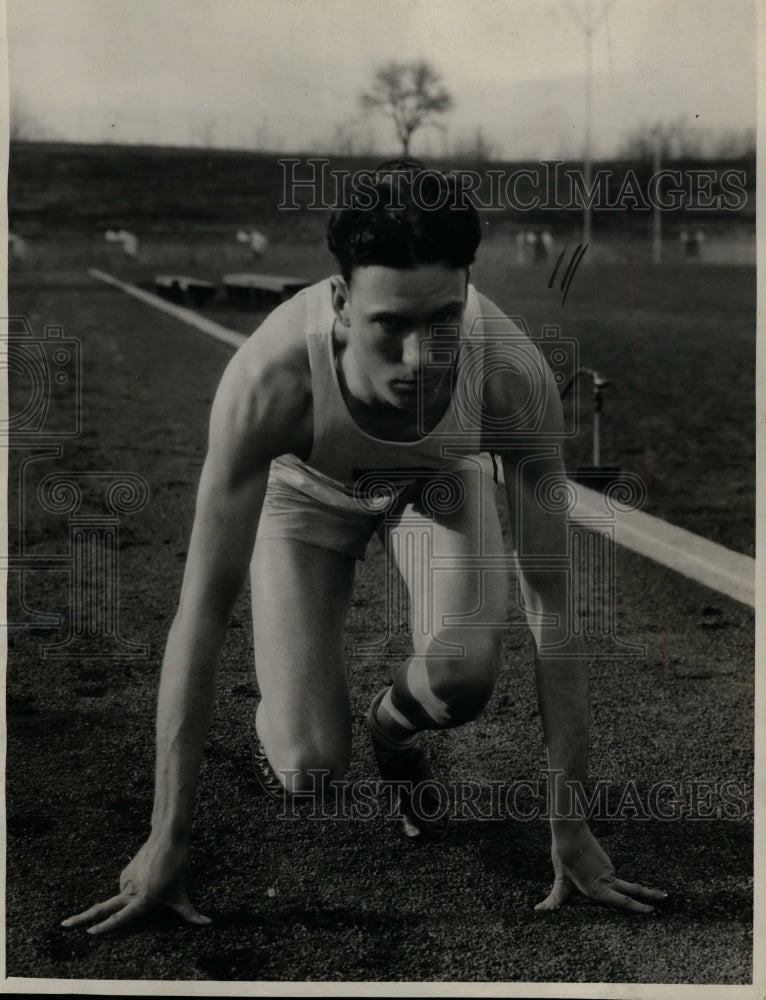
[{"x": 251, "y": 423}]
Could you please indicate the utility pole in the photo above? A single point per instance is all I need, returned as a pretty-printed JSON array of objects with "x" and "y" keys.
[
  {"x": 587, "y": 170},
  {"x": 657, "y": 220},
  {"x": 588, "y": 25}
]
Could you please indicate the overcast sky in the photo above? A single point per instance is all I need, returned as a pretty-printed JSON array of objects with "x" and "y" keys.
[{"x": 287, "y": 73}]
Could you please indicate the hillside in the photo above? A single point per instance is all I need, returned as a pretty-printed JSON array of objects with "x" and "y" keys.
[{"x": 76, "y": 190}]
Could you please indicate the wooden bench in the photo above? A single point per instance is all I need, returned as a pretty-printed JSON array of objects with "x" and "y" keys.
[
  {"x": 180, "y": 288},
  {"x": 255, "y": 289}
]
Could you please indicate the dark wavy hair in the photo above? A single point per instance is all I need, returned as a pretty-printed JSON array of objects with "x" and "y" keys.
[{"x": 400, "y": 215}]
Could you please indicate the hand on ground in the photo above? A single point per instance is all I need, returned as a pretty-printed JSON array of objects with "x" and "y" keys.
[
  {"x": 579, "y": 862},
  {"x": 153, "y": 879}
]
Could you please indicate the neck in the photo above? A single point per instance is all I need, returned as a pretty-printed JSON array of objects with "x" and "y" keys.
[{"x": 381, "y": 419}]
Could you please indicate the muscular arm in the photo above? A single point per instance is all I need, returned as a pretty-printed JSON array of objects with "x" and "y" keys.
[
  {"x": 530, "y": 447},
  {"x": 261, "y": 410},
  {"x": 546, "y": 576},
  {"x": 535, "y": 481},
  {"x": 229, "y": 500}
]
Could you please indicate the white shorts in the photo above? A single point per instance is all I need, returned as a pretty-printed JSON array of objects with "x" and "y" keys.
[{"x": 304, "y": 505}]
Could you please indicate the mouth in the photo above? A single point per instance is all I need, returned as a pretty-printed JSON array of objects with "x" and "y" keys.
[{"x": 408, "y": 386}]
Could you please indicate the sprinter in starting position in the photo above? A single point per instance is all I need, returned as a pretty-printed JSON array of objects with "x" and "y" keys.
[{"x": 361, "y": 407}]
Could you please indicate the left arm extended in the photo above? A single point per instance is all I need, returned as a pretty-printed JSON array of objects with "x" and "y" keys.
[{"x": 536, "y": 485}]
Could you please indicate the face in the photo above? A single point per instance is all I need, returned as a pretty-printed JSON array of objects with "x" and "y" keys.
[{"x": 387, "y": 316}]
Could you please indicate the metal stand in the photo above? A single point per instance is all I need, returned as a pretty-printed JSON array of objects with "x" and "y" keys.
[{"x": 597, "y": 476}]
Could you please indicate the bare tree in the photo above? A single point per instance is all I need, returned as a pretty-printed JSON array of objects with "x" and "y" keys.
[
  {"x": 733, "y": 143},
  {"x": 681, "y": 138},
  {"x": 411, "y": 94},
  {"x": 685, "y": 138}
]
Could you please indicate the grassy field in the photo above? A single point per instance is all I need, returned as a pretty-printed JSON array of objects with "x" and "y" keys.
[
  {"x": 85, "y": 189},
  {"x": 324, "y": 901}
]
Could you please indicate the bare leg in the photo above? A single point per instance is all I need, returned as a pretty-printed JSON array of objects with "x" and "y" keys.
[
  {"x": 458, "y": 609},
  {"x": 300, "y": 599}
]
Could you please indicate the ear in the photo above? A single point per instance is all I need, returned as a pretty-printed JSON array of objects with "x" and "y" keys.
[{"x": 341, "y": 299}]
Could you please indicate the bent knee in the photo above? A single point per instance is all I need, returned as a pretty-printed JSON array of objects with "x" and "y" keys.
[
  {"x": 464, "y": 684},
  {"x": 310, "y": 769}
]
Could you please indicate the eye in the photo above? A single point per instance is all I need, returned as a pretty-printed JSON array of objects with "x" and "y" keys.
[
  {"x": 451, "y": 315},
  {"x": 390, "y": 324}
]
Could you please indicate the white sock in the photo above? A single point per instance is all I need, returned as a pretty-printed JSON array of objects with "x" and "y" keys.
[{"x": 392, "y": 728}]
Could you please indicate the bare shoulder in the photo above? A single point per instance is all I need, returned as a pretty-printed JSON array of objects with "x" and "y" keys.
[
  {"x": 276, "y": 353},
  {"x": 263, "y": 403},
  {"x": 520, "y": 392}
]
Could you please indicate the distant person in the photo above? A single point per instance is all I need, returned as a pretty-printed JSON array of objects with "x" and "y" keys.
[
  {"x": 692, "y": 242},
  {"x": 256, "y": 240},
  {"x": 360, "y": 407},
  {"x": 541, "y": 248},
  {"x": 17, "y": 247},
  {"x": 521, "y": 248},
  {"x": 128, "y": 241}
]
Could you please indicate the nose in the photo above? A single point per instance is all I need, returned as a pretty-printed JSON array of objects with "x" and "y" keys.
[{"x": 411, "y": 350}]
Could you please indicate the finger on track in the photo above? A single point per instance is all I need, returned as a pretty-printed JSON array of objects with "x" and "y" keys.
[
  {"x": 98, "y": 910},
  {"x": 561, "y": 891},
  {"x": 641, "y": 891},
  {"x": 606, "y": 894},
  {"x": 191, "y": 915},
  {"x": 121, "y": 918}
]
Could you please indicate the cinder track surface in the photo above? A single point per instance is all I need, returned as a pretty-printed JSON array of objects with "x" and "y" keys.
[{"x": 340, "y": 900}]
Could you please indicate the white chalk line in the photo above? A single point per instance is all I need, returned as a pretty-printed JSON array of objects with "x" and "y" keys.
[
  {"x": 207, "y": 326},
  {"x": 709, "y": 563},
  {"x": 693, "y": 556}
]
